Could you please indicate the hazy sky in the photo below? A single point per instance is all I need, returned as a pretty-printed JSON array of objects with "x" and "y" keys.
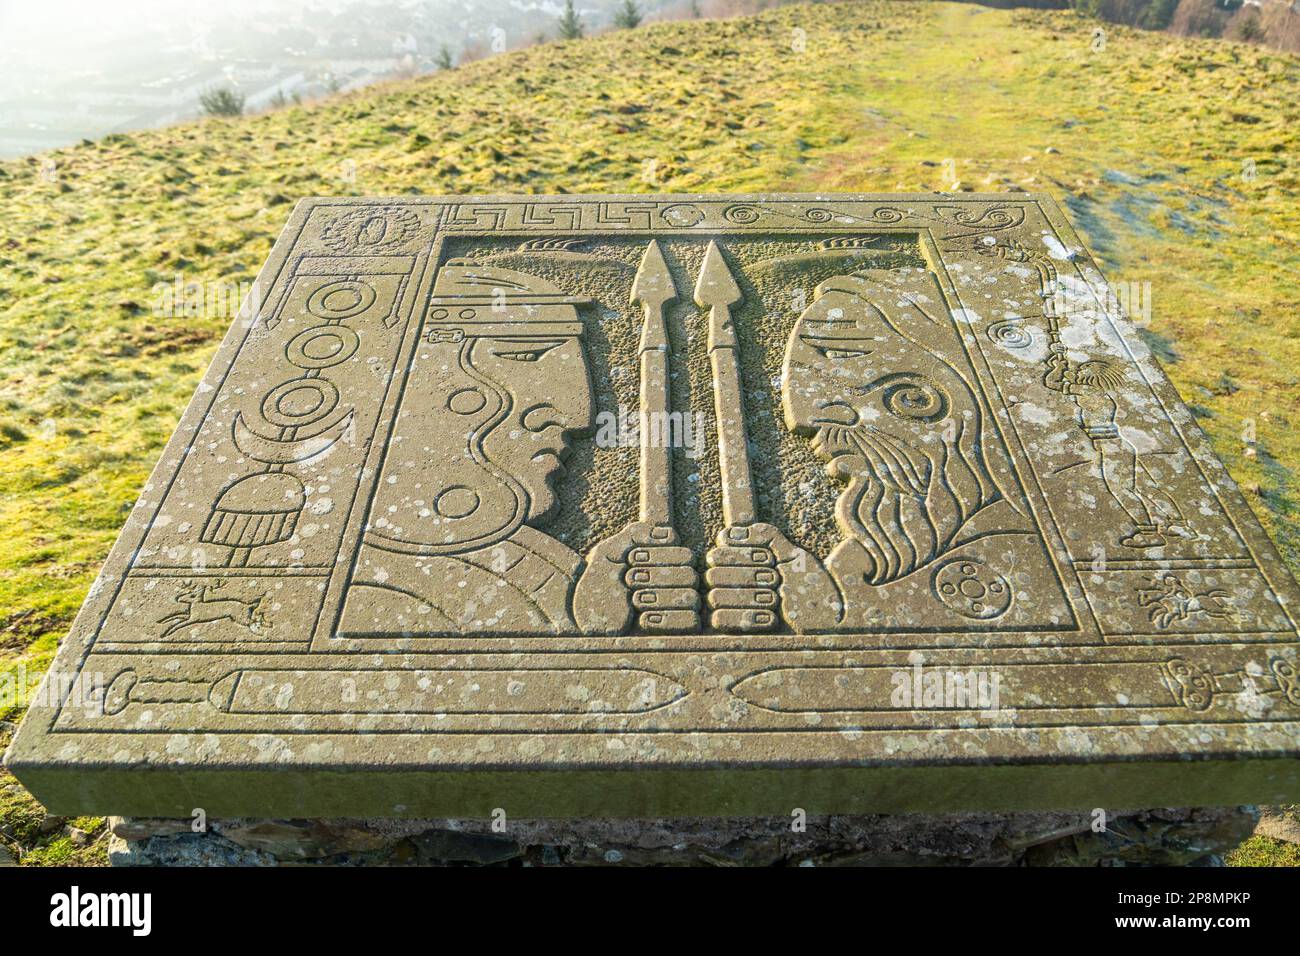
[
  {"x": 54, "y": 25},
  {"x": 73, "y": 69}
]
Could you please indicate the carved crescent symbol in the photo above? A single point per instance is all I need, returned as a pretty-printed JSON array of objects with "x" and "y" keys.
[{"x": 275, "y": 451}]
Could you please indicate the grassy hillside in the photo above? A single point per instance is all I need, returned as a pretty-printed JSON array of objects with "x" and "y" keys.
[{"x": 1145, "y": 141}]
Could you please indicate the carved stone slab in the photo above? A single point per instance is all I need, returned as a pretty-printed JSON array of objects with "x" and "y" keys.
[{"x": 623, "y": 505}]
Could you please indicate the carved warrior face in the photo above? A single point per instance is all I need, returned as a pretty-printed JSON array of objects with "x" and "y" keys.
[
  {"x": 891, "y": 418},
  {"x": 503, "y": 358}
]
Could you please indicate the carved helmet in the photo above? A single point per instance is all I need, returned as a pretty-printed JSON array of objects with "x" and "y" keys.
[{"x": 478, "y": 300}]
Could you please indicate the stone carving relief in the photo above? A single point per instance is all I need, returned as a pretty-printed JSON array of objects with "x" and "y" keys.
[
  {"x": 500, "y": 386},
  {"x": 497, "y": 388},
  {"x": 902, "y": 427},
  {"x": 1094, "y": 386},
  {"x": 908, "y": 452},
  {"x": 1170, "y": 601}
]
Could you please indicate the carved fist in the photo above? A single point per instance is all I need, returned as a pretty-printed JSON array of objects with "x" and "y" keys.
[
  {"x": 757, "y": 576},
  {"x": 640, "y": 570}
]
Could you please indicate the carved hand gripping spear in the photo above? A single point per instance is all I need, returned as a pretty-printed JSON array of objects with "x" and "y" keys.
[
  {"x": 754, "y": 570},
  {"x": 643, "y": 569}
]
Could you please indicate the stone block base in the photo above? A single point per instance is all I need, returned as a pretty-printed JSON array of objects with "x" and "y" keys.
[{"x": 1161, "y": 837}]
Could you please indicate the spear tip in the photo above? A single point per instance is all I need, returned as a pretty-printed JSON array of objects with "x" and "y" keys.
[
  {"x": 716, "y": 286},
  {"x": 653, "y": 284}
]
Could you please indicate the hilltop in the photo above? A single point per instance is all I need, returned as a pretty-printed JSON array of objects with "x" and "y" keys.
[{"x": 1175, "y": 158}]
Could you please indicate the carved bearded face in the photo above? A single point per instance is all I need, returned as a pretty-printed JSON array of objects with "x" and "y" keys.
[{"x": 890, "y": 417}]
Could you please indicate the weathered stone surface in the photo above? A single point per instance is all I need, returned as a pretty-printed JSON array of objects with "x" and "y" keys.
[
  {"x": 305, "y": 839},
  {"x": 913, "y": 522},
  {"x": 133, "y": 828},
  {"x": 1136, "y": 837},
  {"x": 1280, "y": 823}
]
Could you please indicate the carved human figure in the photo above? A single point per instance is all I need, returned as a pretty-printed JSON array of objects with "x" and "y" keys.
[
  {"x": 497, "y": 388},
  {"x": 1091, "y": 386},
  {"x": 902, "y": 428}
]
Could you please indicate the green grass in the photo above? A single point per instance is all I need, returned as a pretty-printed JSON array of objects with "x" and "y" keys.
[
  {"x": 1262, "y": 851},
  {"x": 1144, "y": 142},
  {"x": 25, "y": 835}
]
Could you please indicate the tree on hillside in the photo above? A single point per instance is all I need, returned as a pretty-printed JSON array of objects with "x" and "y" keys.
[
  {"x": 1157, "y": 14},
  {"x": 472, "y": 51},
  {"x": 628, "y": 16},
  {"x": 696, "y": 12},
  {"x": 1251, "y": 31},
  {"x": 570, "y": 23},
  {"x": 222, "y": 101},
  {"x": 443, "y": 59}
]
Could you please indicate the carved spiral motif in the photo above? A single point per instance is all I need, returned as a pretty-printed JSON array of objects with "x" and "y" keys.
[
  {"x": 918, "y": 401},
  {"x": 887, "y": 214},
  {"x": 742, "y": 215},
  {"x": 818, "y": 215},
  {"x": 998, "y": 217},
  {"x": 1010, "y": 333}
]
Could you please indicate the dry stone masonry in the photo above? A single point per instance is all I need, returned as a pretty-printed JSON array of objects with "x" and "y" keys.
[{"x": 634, "y": 506}]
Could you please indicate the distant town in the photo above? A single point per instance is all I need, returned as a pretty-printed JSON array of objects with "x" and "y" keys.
[{"x": 111, "y": 68}]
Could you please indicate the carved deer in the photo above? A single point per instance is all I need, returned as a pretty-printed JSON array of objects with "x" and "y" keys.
[{"x": 202, "y": 607}]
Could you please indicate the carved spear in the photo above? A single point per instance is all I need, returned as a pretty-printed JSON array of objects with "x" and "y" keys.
[
  {"x": 643, "y": 568},
  {"x": 652, "y": 289},
  {"x": 717, "y": 290},
  {"x": 741, "y": 579}
]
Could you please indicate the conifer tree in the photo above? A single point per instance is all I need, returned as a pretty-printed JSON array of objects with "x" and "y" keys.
[
  {"x": 570, "y": 23},
  {"x": 628, "y": 16}
]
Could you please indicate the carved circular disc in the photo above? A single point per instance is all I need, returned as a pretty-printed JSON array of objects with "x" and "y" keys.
[
  {"x": 299, "y": 401},
  {"x": 322, "y": 347},
  {"x": 342, "y": 299},
  {"x": 971, "y": 589}
]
